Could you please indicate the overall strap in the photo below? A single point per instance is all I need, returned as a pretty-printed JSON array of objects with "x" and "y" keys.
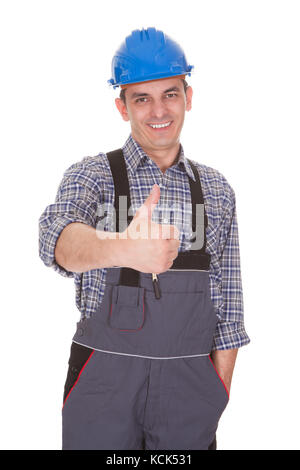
[
  {"x": 121, "y": 184},
  {"x": 128, "y": 277},
  {"x": 197, "y": 198}
]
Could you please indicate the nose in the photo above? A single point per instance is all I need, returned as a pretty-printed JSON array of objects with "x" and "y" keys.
[{"x": 158, "y": 110}]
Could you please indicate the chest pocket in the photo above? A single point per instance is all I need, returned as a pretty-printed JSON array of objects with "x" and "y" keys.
[{"x": 127, "y": 310}]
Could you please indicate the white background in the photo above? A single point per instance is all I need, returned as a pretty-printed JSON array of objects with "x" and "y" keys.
[{"x": 56, "y": 108}]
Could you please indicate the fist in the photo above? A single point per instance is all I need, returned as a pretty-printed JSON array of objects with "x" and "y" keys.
[{"x": 151, "y": 247}]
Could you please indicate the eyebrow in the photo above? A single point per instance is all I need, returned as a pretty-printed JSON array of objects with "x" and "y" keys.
[
  {"x": 139, "y": 95},
  {"x": 174, "y": 88}
]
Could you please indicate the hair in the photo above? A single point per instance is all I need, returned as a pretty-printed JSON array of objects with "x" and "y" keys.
[{"x": 123, "y": 97}]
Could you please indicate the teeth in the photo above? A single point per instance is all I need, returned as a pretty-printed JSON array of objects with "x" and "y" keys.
[{"x": 157, "y": 126}]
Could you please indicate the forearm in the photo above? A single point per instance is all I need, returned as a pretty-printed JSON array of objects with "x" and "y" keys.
[
  {"x": 81, "y": 248},
  {"x": 224, "y": 362}
]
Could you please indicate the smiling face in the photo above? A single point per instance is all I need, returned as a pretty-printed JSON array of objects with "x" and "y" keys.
[{"x": 156, "y": 111}]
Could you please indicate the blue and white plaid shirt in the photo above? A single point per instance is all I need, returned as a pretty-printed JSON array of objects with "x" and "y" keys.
[{"x": 89, "y": 183}]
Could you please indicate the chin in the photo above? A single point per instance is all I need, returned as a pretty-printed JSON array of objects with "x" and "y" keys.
[{"x": 162, "y": 141}]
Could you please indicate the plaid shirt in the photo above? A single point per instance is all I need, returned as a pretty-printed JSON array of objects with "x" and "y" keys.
[{"x": 88, "y": 184}]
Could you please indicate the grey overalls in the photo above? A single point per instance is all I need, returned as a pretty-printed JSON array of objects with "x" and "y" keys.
[{"x": 140, "y": 374}]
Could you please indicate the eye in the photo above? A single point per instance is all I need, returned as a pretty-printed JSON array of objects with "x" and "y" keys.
[
  {"x": 171, "y": 95},
  {"x": 141, "y": 100}
]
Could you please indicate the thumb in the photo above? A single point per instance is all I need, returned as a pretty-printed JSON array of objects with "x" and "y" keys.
[{"x": 148, "y": 207}]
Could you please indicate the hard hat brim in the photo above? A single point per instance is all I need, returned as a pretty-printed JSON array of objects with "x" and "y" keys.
[{"x": 124, "y": 86}]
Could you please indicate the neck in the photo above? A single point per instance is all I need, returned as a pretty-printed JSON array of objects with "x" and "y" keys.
[{"x": 164, "y": 158}]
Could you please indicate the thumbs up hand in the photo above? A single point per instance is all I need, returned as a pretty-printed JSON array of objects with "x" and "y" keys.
[{"x": 150, "y": 247}]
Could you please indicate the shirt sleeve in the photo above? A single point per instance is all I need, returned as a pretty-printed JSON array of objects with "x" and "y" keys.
[
  {"x": 77, "y": 200},
  {"x": 230, "y": 330}
]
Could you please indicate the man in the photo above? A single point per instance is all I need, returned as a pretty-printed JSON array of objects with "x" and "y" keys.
[{"x": 159, "y": 290}]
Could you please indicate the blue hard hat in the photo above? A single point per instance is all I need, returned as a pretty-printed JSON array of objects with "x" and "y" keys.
[{"x": 147, "y": 54}]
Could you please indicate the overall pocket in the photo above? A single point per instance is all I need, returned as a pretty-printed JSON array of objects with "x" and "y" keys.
[
  {"x": 79, "y": 357},
  {"x": 127, "y": 310}
]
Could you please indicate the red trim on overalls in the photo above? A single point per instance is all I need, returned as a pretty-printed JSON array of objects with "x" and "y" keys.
[
  {"x": 83, "y": 367},
  {"x": 219, "y": 376}
]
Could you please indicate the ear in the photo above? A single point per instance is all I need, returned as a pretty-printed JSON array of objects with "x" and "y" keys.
[
  {"x": 189, "y": 95},
  {"x": 122, "y": 108}
]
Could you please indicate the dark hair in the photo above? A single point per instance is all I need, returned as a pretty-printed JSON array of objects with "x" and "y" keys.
[{"x": 122, "y": 92}]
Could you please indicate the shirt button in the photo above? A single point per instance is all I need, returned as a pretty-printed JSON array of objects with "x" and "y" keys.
[{"x": 165, "y": 221}]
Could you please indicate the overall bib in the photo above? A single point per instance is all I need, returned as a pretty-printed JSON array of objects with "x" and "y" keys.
[{"x": 140, "y": 374}]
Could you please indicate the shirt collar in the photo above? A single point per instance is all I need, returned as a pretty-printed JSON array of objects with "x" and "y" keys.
[{"x": 135, "y": 156}]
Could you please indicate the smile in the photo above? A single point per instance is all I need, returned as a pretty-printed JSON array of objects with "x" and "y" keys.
[{"x": 160, "y": 126}]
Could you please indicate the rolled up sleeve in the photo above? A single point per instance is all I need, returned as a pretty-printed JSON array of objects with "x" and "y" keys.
[
  {"x": 230, "y": 330},
  {"x": 77, "y": 200}
]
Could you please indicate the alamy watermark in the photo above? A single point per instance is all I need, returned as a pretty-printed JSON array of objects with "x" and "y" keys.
[{"x": 168, "y": 216}]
